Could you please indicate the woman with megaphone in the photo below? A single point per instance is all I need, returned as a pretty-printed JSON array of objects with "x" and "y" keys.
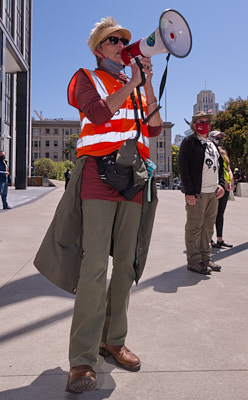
[{"x": 105, "y": 208}]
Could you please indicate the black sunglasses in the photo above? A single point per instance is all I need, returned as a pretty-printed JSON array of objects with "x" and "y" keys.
[
  {"x": 115, "y": 40},
  {"x": 203, "y": 122}
]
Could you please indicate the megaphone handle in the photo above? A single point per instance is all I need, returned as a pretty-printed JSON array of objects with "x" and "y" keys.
[{"x": 141, "y": 71}]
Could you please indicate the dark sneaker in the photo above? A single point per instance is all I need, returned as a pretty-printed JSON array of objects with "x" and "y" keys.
[
  {"x": 224, "y": 244},
  {"x": 212, "y": 265},
  {"x": 215, "y": 245},
  {"x": 201, "y": 268}
]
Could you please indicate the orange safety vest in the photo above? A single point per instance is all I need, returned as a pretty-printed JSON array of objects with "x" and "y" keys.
[{"x": 99, "y": 140}]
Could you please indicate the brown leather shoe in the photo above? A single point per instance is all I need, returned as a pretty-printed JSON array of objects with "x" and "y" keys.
[
  {"x": 123, "y": 356},
  {"x": 81, "y": 378}
]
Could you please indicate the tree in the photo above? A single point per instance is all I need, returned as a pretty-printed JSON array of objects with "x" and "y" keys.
[
  {"x": 51, "y": 169},
  {"x": 45, "y": 167},
  {"x": 233, "y": 121},
  {"x": 174, "y": 154},
  {"x": 71, "y": 146}
]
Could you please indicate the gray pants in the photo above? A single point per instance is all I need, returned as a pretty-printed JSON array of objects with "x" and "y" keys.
[
  {"x": 96, "y": 316},
  {"x": 199, "y": 228}
]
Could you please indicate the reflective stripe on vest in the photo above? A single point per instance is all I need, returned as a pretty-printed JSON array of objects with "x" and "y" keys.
[{"x": 102, "y": 139}]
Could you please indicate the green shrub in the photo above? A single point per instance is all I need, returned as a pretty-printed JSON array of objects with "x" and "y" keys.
[
  {"x": 51, "y": 169},
  {"x": 45, "y": 167}
]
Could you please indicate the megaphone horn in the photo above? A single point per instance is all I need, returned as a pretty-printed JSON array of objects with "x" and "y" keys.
[{"x": 172, "y": 36}]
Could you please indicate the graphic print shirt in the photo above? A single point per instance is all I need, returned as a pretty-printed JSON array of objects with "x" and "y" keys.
[{"x": 210, "y": 169}]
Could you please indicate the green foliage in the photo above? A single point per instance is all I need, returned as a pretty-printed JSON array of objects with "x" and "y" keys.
[
  {"x": 45, "y": 167},
  {"x": 51, "y": 169},
  {"x": 71, "y": 146},
  {"x": 174, "y": 154},
  {"x": 233, "y": 121}
]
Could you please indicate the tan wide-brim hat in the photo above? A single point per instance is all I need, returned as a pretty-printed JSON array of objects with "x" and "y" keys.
[
  {"x": 200, "y": 114},
  {"x": 103, "y": 29}
]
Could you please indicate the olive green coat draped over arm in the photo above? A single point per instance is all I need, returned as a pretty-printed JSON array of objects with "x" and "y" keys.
[{"x": 60, "y": 254}]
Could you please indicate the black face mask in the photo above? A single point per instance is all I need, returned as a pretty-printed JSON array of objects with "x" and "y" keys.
[{"x": 2, "y": 157}]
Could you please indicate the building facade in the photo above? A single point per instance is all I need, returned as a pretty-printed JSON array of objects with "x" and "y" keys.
[
  {"x": 160, "y": 154},
  {"x": 178, "y": 140},
  {"x": 15, "y": 78},
  {"x": 206, "y": 102},
  {"x": 50, "y": 139}
]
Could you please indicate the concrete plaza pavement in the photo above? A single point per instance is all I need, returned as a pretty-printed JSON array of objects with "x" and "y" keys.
[{"x": 189, "y": 330}]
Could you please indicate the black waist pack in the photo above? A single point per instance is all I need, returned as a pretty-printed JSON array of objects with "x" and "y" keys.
[{"x": 120, "y": 172}]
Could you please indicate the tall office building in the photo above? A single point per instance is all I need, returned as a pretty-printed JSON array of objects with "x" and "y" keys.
[
  {"x": 206, "y": 102},
  {"x": 15, "y": 84}
]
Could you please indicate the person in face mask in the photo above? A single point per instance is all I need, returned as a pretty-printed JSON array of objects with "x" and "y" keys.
[
  {"x": 202, "y": 175},
  {"x": 217, "y": 138},
  {"x": 4, "y": 180}
]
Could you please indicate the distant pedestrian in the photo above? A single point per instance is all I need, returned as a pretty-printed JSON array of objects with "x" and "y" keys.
[
  {"x": 4, "y": 180},
  {"x": 238, "y": 177},
  {"x": 67, "y": 176},
  {"x": 217, "y": 137},
  {"x": 201, "y": 170}
]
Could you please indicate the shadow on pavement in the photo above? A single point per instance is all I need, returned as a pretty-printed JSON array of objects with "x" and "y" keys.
[
  {"x": 170, "y": 281},
  {"x": 52, "y": 382},
  {"x": 219, "y": 254},
  {"x": 37, "y": 285},
  {"x": 34, "y": 326},
  {"x": 28, "y": 288}
]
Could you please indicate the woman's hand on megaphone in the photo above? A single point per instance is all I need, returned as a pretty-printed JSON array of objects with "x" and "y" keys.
[{"x": 146, "y": 68}]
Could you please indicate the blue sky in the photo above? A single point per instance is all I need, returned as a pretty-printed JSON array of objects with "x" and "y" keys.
[{"x": 218, "y": 59}]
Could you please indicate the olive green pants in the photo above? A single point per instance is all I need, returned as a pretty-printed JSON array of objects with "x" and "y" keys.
[
  {"x": 97, "y": 316},
  {"x": 199, "y": 228}
]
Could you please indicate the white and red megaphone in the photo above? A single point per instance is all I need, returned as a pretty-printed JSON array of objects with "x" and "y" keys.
[{"x": 172, "y": 36}]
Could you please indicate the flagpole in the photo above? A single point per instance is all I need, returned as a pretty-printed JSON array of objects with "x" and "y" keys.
[{"x": 165, "y": 102}]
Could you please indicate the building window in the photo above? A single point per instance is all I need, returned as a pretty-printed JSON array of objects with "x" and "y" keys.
[
  {"x": 8, "y": 15},
  {"x": 55, "y": 143},
  {"x": 8, "y": 98},
  {"x": 19, "y": 25},
  {"x": 35, "y": 156},
  {"x": 27, "y": 33},
  {"x": 55, "y": 131},
  {"x": 67, "y": 132},
  {"x": 55, "y": 154},
  {"x": 47, "y": 155},
  {"x": 47, "y": 143},
  {"x": 36, "y": 143},
  {"x": 36, "y": 131},
  {"x": 47, "y": 131}
]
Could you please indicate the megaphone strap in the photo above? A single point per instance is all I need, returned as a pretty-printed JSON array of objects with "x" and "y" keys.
[
  {"x": 141, "y": 72},
  {"x": 163, "y": 80},
  {"x": 136, "y": 116},
  {"x": 161, "y": 90}
]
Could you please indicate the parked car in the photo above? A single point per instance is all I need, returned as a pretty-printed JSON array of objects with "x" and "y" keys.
[{"x": 177, "y": 185}]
